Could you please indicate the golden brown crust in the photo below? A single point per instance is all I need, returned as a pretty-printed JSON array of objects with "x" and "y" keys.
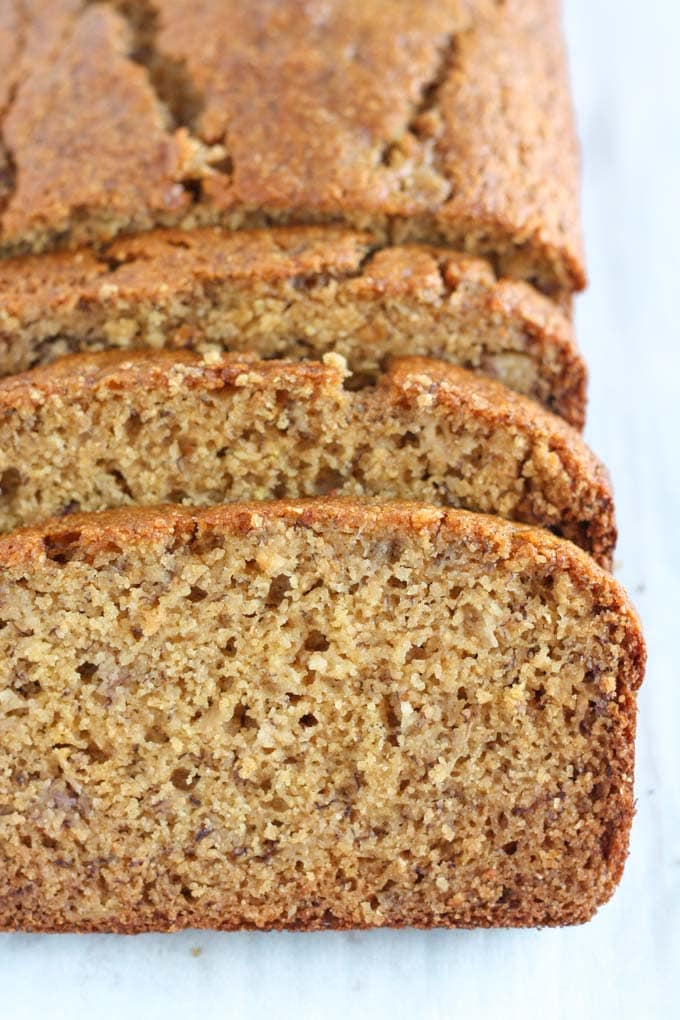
[
  {"x": 74, "y": 115},
  {"x": 239, "y": 114},
  {"x": 506, "y": 409},
  {"x": 291, "y": 292},
  {"x": 564, "y": 486},
  {"x": 10, "y": 39},
  {"x": 485, "y": 104}
]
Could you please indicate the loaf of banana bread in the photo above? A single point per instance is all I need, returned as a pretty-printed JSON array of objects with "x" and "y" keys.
[
  {"x": 298, "y": 292},
  {"x": 306, "y": 715},
  {"x": 102, "y": 430},
  {"x": 445, "y": 121}
]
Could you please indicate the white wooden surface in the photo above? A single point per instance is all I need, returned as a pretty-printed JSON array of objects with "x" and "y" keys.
[{"x": 625, "y": 964}]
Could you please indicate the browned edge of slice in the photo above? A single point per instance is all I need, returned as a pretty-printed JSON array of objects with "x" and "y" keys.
[{"x": 546, "y": 474}]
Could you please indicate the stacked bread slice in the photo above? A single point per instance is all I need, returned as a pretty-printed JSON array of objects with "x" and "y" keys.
[{"x": 305, "y": 611}]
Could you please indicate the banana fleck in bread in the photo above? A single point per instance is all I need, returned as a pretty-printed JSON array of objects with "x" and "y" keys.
[
  {"x": 445, "y": 121},
  {"x": 298, "y": 292},
  {"x": 96, "y": 431},
  {"x": 310, "y": 715}
]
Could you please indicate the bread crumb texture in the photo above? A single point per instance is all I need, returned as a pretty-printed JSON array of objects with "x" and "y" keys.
[
  {"x": 291, "y": 292},
  {"x": 112, "y": 429},
  {"x": 309, "y": 715},
  {"x": 447, "y": 122}
]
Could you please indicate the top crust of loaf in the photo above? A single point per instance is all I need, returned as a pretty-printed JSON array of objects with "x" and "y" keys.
[
  {"x": 492, "y": 539},
  {"x": 446, "y": 122}
]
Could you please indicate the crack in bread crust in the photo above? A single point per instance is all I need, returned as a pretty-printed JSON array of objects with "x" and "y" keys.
[
  {"x": 12, "y": 46},
  {"x": 239, "y": 116},
  {"x": 169, "y": 78}
]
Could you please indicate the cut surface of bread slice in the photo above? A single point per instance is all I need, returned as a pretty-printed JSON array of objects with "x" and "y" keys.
[
  {"x": 307, "y": 715},
  {"x": 291, "y": 293},
  {"x": 96, "y": 431},
  {"x": 445, "y": 122}
]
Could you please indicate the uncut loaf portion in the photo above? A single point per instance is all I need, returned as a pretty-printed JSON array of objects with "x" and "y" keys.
[
  {"x": 446, "y": 121},
  {"x": 95, "y": 431},
  {"x": 307, "y": 715},
  {"x": 291, "y": 293}
]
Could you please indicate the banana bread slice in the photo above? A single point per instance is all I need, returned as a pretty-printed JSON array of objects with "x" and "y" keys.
[
  {"x": 298, "y": 292},
  {"x": 101, "y": 430},
  {"x": 445, "y": 121},
  {"x": 307, "y": 715}
]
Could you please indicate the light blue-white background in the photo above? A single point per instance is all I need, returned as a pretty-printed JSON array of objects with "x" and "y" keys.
[{"x": 625, "y": 965}]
